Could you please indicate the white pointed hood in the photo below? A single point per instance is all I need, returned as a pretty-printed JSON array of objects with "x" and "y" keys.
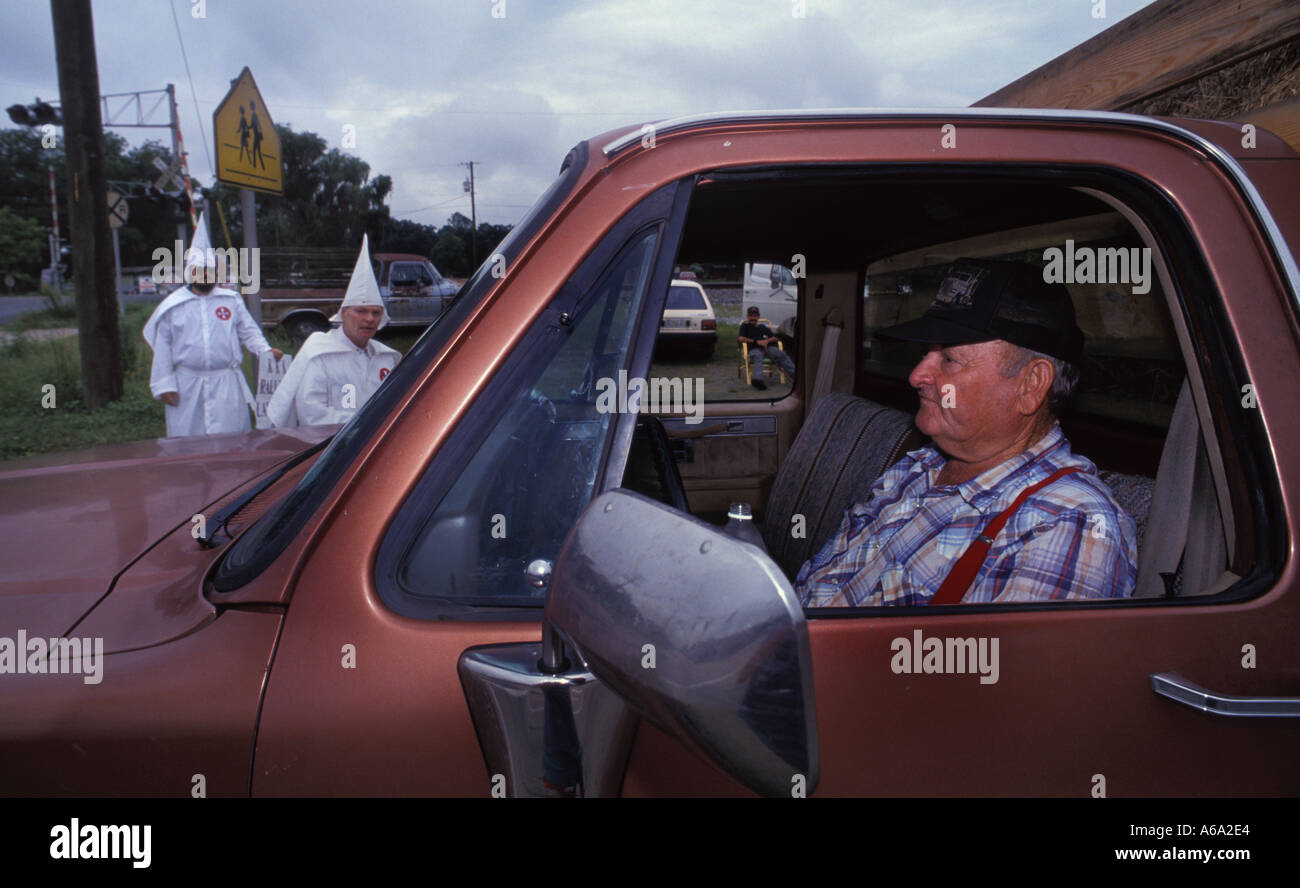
[
  {"x": 199, "y": 256},
  {"x": 363, "y": 289}
]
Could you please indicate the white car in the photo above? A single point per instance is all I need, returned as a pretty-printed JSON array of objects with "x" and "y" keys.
[{"x": 689, "y": 321}]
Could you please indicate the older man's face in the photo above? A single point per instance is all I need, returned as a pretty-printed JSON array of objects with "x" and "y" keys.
[
  {"x": 361, "y": 322},
  {"x": 967, "y": 406}
]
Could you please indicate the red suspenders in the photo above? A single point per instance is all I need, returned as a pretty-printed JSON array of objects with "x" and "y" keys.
[{"x": 968, "y": 565}]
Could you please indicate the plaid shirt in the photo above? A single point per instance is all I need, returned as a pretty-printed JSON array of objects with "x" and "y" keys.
[{"x": 1068, "y": 540}]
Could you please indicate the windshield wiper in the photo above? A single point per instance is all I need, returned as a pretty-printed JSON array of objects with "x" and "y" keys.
[{"x": 222, "y": 518}]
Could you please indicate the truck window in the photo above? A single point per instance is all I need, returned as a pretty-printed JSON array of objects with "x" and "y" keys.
[
  {"x": 409, "y": 274},
  {"x": 1133, "y": 368},
  {"x": 523, "y": 489}
]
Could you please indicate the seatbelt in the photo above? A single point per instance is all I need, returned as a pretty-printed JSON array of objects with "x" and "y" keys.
[
  {"x": 1185, "y": 499},
  {"x": 963, "y": 573},
  {"x": 826, "y": 361}
]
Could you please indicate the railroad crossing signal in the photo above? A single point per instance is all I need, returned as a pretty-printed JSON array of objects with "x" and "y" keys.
[{"x": 170, "y": 174}]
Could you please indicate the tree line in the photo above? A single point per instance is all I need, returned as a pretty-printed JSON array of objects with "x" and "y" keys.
[{"x": 330, "y": 199}]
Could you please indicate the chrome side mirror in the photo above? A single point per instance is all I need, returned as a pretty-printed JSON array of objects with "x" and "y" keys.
[{"x": 698, "y": 631}]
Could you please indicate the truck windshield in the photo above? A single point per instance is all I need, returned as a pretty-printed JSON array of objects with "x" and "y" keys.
[{"x": 264, "y": 541}]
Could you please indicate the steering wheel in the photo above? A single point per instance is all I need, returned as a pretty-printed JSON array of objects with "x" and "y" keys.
[{"x": 670, "y": 479}]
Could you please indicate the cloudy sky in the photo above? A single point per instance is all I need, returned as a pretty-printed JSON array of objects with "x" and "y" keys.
[{"x": 513, "y": 84}]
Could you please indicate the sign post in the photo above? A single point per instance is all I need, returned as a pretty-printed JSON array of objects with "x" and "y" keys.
[
  {"x": 248, "y": 156},
  {"x": 118, "y": 210}
]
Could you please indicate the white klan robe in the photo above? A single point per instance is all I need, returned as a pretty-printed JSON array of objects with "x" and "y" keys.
[
  {"x": 196, "y": 341},
  {"x": 331, "y": 377}
]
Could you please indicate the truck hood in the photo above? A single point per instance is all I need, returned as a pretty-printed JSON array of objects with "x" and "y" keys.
[{"x": 71, "y": 522}]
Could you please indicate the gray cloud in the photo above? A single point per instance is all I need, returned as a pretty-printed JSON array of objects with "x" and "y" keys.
[{"x": 429, "y": 85}]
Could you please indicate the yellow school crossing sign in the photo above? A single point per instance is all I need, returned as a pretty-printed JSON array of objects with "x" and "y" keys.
[{"x": 248, "y": 147}]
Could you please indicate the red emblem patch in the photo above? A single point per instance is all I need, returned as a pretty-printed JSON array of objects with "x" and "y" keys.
[
  {"x": 383, "y": 372},
  {"x": 223, "y": 313}
]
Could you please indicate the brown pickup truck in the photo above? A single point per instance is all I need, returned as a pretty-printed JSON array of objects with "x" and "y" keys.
[
  {"x": 496, "y": 579},
  {"x": 414, "y": 291}
]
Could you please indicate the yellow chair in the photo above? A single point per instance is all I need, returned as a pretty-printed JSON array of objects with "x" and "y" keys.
[{"x": 744, "y": 370}]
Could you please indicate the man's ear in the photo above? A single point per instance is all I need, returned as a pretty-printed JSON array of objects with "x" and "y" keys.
[{"x": 1035, "y": 385}]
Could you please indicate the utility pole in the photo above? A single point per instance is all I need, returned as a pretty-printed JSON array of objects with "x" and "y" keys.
[
  {"x": 176, "y": 155},
  {"x": 473, "y": 214},
  {"x": 92, "y": 246},
  {"x": 248, "y": 214}
]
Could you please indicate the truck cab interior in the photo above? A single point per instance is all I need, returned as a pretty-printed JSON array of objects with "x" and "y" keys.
[
  {"x": 1157, "y": 409},
  {"x": 873, "y": 246}
]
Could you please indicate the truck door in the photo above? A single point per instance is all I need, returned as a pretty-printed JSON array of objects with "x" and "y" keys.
[
  {"x": 408, "y": 595},
  {"x": 412, "y": 294},
  {"x": 1144, "y": 696}
]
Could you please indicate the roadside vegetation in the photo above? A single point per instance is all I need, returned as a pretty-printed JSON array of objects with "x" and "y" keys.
[
  {"x": 29, "y": 364},
  {"x": 60, "y": 311}
]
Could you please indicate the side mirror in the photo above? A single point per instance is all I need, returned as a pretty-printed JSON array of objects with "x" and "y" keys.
[{"x": 698, "y": 631}]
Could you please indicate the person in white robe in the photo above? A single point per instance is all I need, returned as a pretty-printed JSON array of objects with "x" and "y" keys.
[
  {"x": 196, "y": 334},
  {"x": 335, "y": 373}
]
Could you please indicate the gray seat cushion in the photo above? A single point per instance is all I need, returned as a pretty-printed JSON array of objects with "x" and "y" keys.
[
  {"x": 845, "y": 444},
  {"x": 1133, "y": 493}
]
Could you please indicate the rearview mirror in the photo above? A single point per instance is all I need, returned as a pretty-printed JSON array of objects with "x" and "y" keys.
[{"x": 698, "y": 631}]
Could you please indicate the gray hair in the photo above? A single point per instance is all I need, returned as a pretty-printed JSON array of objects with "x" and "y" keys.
[{"x": 1064, "y": 379}]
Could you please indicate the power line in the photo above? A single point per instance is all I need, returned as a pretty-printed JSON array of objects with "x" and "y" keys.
[
  {"x": 434, "y": 206},
  {"x": 202, "y": 135},
  {"x": 629, "y": 115}
]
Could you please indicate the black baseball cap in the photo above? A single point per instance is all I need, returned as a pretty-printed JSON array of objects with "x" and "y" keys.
[{"x": 982, "y": 299}]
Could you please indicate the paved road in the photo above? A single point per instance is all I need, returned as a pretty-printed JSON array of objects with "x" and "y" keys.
[{"x": 12, "y": 306}]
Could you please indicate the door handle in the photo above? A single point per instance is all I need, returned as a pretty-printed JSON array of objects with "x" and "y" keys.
[
  {"x": 697, "y": 432},
  {"x": 1180, "y": 690}
]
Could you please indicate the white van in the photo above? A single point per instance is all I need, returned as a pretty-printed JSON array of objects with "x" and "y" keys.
[{"x": 772, "y": 288}]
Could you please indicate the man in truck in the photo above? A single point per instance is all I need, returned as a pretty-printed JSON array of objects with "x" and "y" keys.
[
  {"x": 998, "y": 508},
  {"x": 336, "y": 372},
  {"x": 196, "y": 334}
]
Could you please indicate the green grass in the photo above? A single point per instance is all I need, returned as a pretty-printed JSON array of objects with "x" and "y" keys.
[
  {"x": 45, "y": 319},
  {"x": 27, "y": 366}
]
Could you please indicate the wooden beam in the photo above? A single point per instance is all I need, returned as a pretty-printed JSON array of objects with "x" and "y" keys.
[
  {"x": 1282, "y": 119},
  {"x": 1157, "y": 48}
]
